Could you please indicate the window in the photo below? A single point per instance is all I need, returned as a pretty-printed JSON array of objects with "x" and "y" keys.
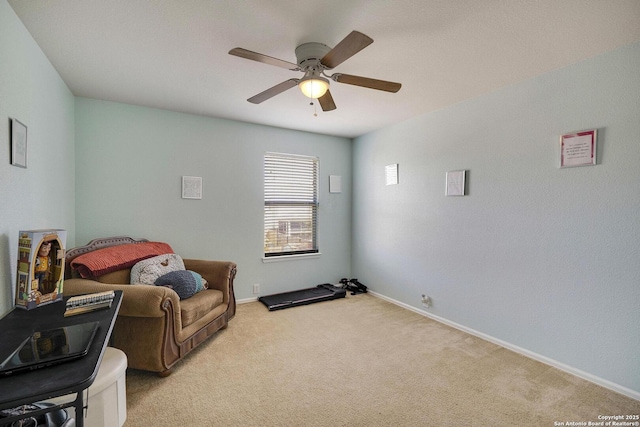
[{"x": 290, "y": 204}]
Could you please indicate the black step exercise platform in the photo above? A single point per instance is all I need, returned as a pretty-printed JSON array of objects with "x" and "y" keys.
[{"x": 324, "y": 292}]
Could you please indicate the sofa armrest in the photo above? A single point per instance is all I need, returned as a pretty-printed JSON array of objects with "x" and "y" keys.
[
  {"x": 219, "y": 274},
  {"x": 137, "y": 300}
]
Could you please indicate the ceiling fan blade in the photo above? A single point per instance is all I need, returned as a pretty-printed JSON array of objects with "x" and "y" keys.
[
  {"x": 254, "y": 56},
  {"x": 326, "y": 102},
  {"x": 349, "y": 46},
  {"x": 367, "y": 82},
  {"x": 273, "y": 91}
]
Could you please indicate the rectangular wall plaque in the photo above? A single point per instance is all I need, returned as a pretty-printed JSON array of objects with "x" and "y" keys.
[
  {"x": 18, "y": 144},
  {"x": 578, "y": 149},
  {"x": 192, "y": 187},
  {"x": 455, "y": 183},
  {"x": 391, "y": 174},
  {"x": 335, "y": 184}
]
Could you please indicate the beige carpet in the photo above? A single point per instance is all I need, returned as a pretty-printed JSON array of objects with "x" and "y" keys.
[{"x": 359, "y": 361}]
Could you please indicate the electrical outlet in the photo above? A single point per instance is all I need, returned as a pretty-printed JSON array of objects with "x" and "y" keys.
[
  {"x": 426, "y": 301},
  {"x": 256, "y": 288}
]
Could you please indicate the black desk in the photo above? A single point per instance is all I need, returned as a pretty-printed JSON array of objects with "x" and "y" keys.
[{"x": 60, "y": 380}]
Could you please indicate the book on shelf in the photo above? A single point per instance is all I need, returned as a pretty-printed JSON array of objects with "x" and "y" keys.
[{"x": 87, "y": 303}]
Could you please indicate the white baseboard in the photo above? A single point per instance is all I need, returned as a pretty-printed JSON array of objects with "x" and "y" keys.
[
  {"x": 563, "y": 367},
  {"x": 246, "y": 300}
]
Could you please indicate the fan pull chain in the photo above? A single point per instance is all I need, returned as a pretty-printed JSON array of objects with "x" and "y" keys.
[{"x": 315, "y": 112}]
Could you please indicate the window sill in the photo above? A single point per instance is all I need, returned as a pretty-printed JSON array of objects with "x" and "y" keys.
[{"x": 281, "y": 258}]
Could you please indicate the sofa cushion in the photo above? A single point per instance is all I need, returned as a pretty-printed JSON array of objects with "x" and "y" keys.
[
  {"x": 195, "y": 308},
  {"x": 120, "y": 277},
  {"x": 102, "y": 261},
  {"x": 184, "y": 282},
  {"x": 149, "y": 270}
]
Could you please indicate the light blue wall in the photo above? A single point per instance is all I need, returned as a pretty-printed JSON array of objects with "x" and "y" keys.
[
  {"x": 546, "y": 259},
  {"x": 41, "y": 196},
  {"x": 542, "y": 258},
  {"x": 129, "y": 164}
]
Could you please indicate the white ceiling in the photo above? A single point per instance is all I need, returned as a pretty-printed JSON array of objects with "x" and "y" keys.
[{"x": 173, "y": 54}]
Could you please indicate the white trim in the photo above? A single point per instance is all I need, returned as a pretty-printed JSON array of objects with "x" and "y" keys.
[
  {"x": 279, "y": 258},
  {"x": 530, "y": 354},
  {"x": 246, "y": 300}
]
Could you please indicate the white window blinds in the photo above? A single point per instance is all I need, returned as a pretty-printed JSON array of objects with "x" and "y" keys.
[{"x": 290, "y": 204}]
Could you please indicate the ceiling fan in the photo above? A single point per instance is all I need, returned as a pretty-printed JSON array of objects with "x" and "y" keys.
[{"x": 314, "y": 59}]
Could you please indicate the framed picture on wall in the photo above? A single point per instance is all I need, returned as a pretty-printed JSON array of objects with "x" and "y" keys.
[
  {"x": 578, "y": 149},
  {"x": 192, "y": 187},
  {"x": 391, "y": 174},
  {"x": 455, "y": 183},
  {"x": 18, "y": 144}
]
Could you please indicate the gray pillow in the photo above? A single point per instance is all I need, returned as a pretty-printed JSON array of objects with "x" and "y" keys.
[{"x": 185, "y": 283}]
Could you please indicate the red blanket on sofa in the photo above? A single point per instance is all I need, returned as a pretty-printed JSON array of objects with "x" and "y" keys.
[{"x": 102, "y": 261}]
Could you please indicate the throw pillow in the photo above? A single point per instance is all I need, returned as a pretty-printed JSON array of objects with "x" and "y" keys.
[
  {"x": 185, "y": 283},
  {"x": 201, "y": 282},
  {"x": 148, "y": 270}
]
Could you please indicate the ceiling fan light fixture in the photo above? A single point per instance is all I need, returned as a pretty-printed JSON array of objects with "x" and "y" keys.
[
  {"x": 314, "y": 86},
  {"x": 313, "y": 59}
]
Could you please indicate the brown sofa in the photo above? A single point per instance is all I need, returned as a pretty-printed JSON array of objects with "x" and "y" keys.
[{"x": 155, "y": 328}]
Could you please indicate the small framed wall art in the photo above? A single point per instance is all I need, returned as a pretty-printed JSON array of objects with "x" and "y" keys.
[
  {"x": 192, "y": 187},
  {"x": 18, "y": 144},
  {"x": 578, "y": 149},
  {"x": 455, "y": 183},
  {"x": 391, "y": 174},
  {"x": 335, "y": 183}
]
